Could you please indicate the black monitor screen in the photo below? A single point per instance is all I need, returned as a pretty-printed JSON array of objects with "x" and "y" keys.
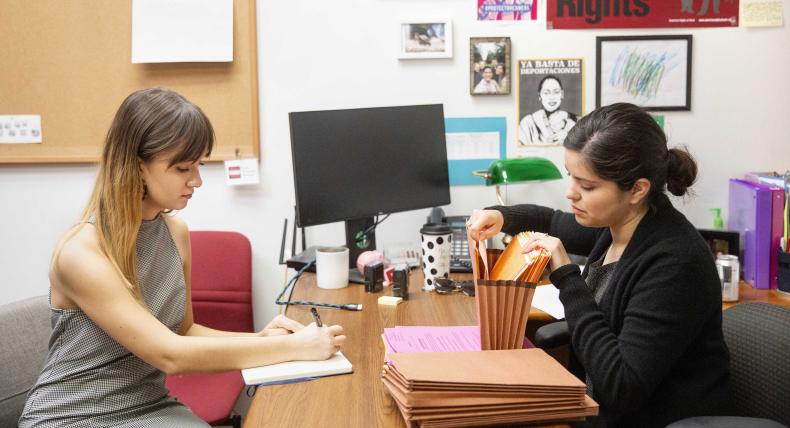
[{"x": 351, "y": 164}]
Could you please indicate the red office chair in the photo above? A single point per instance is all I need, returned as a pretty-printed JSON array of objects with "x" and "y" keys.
[{"x": 221, "y": 299}]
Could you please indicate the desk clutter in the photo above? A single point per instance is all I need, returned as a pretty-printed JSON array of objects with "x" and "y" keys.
[
  {"x": 449, "y": 389},
  {"x": 462, "y": 376},
  {"x": 390, "y": 300},
  {"x": 504, "y": 286}
]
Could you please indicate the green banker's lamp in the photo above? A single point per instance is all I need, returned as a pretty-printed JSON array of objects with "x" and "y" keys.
[{"x": 518, "y": 170}]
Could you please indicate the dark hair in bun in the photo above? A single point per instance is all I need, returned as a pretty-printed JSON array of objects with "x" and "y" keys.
[{"x": 623, "y": 143}]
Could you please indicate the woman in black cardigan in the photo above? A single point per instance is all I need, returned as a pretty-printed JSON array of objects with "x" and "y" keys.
[{"x": 645, "y": 315}]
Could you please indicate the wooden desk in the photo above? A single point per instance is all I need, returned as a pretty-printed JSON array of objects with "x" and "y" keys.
[
  {"x": 747, "y": 293},
  {"x": 358, "y": 399}
]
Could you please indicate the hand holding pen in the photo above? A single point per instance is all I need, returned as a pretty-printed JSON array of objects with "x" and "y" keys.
[
  {"x": 316, "y": 318},
  {"x": 319, "y": 342}
]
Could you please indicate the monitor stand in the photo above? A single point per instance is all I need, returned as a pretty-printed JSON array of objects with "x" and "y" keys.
[{"x": 358, "y": 244}]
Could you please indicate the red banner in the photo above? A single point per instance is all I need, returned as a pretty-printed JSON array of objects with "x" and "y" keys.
[{"x": 587, "y": 14}]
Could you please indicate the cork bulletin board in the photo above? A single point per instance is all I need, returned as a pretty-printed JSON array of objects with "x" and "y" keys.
[{"x": 70, "y": 62}]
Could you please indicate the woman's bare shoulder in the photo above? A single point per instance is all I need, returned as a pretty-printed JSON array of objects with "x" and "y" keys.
[
  {"x": 78, "y": 253},
  {"x": 78, "y": 247},
  {"x": 180, "y": 233},
  {"x": 177, "y": 226}
]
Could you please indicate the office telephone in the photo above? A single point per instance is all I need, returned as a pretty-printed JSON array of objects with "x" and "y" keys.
[{"x": 459, "y": 254}]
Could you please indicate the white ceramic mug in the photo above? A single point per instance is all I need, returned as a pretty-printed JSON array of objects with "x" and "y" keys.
[{"x": 331, "y": 265}]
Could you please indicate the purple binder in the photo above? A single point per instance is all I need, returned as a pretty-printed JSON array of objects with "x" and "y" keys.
[
  {"x": 750, "y": 213},
  {"x": 777, "y": 224}
]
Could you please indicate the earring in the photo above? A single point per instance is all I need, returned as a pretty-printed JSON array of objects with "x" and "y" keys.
[{"x": 145, "y": 190}]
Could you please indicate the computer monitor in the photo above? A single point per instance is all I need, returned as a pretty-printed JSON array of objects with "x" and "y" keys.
[{"x": 352, "y": 165}]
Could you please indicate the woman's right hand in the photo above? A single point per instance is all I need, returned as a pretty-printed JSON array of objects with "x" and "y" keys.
[
  {"x": 318, "y": 343},
  {"x": 484, "y": 224}
]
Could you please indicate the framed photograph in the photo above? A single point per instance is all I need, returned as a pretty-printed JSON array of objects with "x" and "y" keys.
[
  {"x": 426, "y": 39},
  {"x": 653, "y": 72},
  {"x": 550, "y": 99},
  {"x": 489, "y": 66}
]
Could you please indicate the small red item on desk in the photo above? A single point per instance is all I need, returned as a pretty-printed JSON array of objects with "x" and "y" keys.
[{"x": 388, "y": 275}]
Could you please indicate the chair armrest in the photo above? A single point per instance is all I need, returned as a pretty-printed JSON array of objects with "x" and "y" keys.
[
  {"x": 552, "y": 335},
  {"x": 725, "y": 422}
]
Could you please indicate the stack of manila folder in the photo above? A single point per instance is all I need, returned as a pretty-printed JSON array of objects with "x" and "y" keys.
[
  {"x": 504, "y": 286},
  {"x": 460, "y": 389}
]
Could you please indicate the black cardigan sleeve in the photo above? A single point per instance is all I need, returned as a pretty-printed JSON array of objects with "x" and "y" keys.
[
  {"x": 666, "y": 311},
  {"x": 576, "y": 238}
]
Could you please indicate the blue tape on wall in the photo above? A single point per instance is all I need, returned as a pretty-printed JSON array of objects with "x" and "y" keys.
[{"x": 460, "y": 170}]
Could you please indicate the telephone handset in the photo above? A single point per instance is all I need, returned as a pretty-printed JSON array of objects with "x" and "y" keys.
[{"x": 459, "y": 254}]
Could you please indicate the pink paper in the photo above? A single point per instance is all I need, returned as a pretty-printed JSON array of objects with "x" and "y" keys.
[{"x": 433, "y": 339}]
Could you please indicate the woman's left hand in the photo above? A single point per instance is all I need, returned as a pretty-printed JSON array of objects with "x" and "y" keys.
[
  {"x": 559, "y": 257},
  {"x": 281, "y": 325}
]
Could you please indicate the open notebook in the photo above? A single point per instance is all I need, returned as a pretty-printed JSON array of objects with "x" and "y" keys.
[{"x": 293, "y": 370}]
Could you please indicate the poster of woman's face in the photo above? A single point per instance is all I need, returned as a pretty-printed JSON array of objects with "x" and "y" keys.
[
  {"x": 550, "y": 99},
  {"x": 489, "y": 65}
]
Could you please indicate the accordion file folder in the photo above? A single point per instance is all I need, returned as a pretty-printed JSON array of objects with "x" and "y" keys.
[
  {"x": 503, "y": 305},
  {"x": 751, "y": 213}
]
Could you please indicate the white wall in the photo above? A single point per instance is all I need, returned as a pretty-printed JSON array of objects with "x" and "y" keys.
[{"x": 341, "y": 54}]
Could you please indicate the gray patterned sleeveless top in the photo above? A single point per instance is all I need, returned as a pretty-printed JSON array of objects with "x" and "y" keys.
[{"x": 89, "y": 380}]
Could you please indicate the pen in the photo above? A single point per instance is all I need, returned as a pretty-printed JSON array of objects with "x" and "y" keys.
[{"x": 316, "y": 317}]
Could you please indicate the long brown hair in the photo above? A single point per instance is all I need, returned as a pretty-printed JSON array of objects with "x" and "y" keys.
[{"x": 149, "y": 123}]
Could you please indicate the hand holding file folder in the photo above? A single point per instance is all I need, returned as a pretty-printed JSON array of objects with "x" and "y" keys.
[
  {"x": 514, "y": 264},
  {"x": 504, "y": 291}
]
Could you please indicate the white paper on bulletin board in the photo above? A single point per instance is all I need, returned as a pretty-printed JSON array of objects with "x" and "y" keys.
[
  {"x": 20, "y": 129},
  {"x": 182, "y": 31}
]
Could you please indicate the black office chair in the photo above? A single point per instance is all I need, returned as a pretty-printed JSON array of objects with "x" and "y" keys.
[{"x": 758, "y": 337}]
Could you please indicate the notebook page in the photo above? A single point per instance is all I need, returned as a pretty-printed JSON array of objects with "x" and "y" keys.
[{"x": 289, "y": 370}]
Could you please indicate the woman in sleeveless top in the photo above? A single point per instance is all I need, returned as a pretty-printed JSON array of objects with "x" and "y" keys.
[
  {"x": 120, "y": 285},
  {"x": 645, "y": 315}
]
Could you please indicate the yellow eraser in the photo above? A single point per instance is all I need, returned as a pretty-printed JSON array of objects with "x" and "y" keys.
[{"x": 390, "y": 300}]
